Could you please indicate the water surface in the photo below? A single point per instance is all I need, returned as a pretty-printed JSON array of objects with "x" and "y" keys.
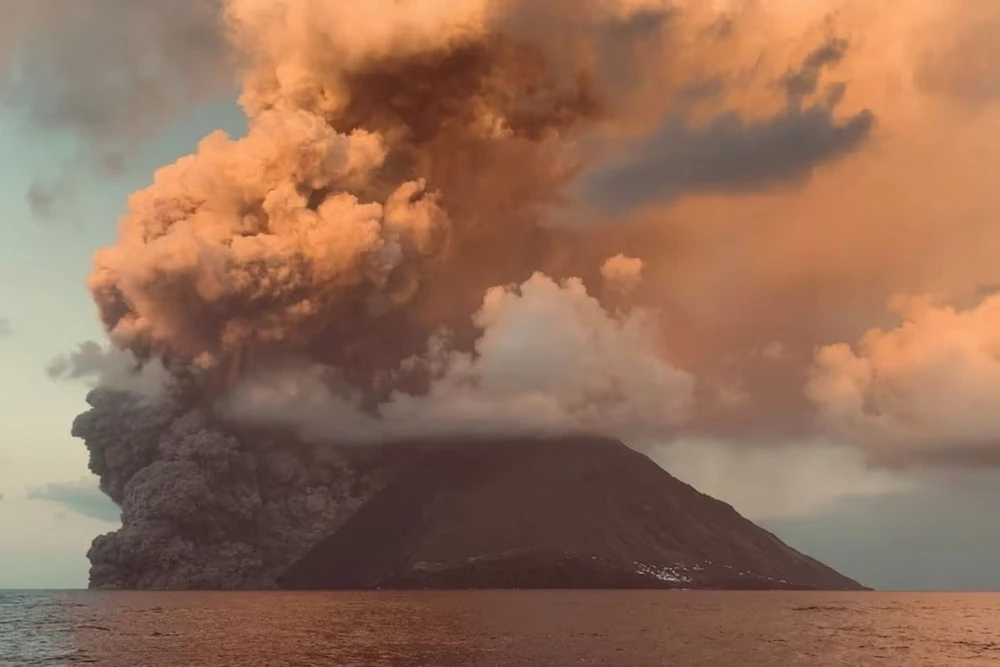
[{"x": 497, "y": 628}]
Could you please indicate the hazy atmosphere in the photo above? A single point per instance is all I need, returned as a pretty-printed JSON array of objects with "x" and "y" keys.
[{"x": 755, "y": 240}]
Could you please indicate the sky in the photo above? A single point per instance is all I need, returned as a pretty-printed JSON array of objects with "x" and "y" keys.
[
  {"x": 919, "y": 199},
  {"x": 51, "y": 507}
]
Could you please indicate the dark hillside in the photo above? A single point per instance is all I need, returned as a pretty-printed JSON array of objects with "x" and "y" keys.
[{"x": 560, "y": 513}]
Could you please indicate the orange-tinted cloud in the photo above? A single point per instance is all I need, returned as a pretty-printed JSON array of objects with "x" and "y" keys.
[{"x": 782, "y": 172}]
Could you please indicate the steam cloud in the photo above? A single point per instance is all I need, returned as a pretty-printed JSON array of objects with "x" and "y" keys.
[
  {"x": 924, "y": 389},
  {"x": 458, "y": 219},
  {"x": 550, "y": 360}
]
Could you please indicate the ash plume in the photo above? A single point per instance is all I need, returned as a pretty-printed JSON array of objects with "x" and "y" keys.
[
  {"x": 394, "y": 250},
  {"x": 200, "y": 509}
]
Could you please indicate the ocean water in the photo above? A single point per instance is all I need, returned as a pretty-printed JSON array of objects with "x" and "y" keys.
[{"x": 516, "y": 628}]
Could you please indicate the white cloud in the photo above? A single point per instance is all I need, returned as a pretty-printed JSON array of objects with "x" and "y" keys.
[
  {"x": 927, "y": 389},
  {"x": 551, "y": 360}
]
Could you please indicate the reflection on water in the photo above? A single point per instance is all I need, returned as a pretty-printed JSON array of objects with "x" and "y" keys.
[{"x": 522, "y": 628}]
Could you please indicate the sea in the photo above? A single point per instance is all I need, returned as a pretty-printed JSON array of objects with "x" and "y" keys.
[{"x": 498, "y": 628}]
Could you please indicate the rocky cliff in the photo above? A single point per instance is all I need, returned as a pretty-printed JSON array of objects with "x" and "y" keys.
[{"x": 560, "y": 513}]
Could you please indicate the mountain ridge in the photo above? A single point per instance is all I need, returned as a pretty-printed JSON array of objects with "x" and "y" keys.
[{"x": 571, "y": 512}]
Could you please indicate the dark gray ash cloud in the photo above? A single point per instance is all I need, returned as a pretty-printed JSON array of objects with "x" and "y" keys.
[
  {"x": 235, "y": 503},
  {"x": 81, "y": 496},
  {"x": 731, "y": 154},
  {"x": 234, "y": 513},
  {"x": 734, "y": 154},
  {"x": 802, "y": 82}
]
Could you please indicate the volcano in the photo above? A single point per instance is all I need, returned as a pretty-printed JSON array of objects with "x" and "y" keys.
[{"x": 556, "y": 513}]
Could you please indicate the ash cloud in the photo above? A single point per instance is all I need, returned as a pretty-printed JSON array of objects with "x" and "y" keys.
[
  {"x": 734, "y": 153},
  {"x": 362, "y": 265},
  {"x": 378, "y": 258},
  {"x": 201, "y": 508},
  {"x": 803, "y": 82},
  {"x": 376, "y": 179},
  {"x": 5, "y": 327}
]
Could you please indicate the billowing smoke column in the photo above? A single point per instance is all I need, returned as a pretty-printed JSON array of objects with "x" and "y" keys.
[
  {"x": 200, "y": 509},
  {"x": 375, "y": 261}
]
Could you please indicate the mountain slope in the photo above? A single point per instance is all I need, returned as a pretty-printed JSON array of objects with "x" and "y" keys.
[{"x": 559, "y": 513}]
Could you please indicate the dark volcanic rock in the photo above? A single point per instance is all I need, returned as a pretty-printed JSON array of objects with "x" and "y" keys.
[{"x": 560, "y": 513}]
